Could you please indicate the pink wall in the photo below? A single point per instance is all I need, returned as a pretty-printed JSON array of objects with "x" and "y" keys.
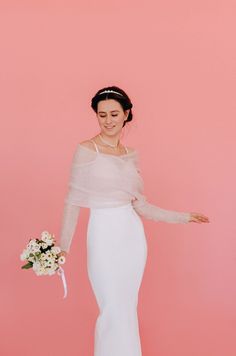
[{"x": 176, "y": 60}]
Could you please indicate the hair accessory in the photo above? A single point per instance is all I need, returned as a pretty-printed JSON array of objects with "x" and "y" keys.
[{"x": 110, "y": 91}]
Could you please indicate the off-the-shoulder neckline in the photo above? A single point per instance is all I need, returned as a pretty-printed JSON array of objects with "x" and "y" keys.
[{"x": 107, "y": 154}]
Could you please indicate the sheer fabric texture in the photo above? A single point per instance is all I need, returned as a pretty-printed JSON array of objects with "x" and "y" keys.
[{"x": 100, "y": 180}]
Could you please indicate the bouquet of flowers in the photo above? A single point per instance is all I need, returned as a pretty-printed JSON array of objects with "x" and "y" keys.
[{"x": 43, "y": 256}]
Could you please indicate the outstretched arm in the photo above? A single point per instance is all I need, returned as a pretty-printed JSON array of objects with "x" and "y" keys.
[{"x": 153, "y": 212}]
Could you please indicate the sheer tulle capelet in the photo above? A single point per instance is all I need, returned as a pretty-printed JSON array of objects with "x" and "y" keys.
[{"x": 100, "y": 180}]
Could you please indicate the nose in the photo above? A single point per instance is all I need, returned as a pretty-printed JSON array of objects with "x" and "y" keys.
[{"x": 108, "y": 119}]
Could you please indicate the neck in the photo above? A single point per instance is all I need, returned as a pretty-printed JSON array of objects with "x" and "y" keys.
[{"x": 112, "y": 140}]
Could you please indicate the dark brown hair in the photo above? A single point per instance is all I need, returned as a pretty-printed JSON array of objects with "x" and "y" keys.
[{"x": 123, "y": 99}]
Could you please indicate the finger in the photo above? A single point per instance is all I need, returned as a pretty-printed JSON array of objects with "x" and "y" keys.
[
  {"x": 204, "y": 219},
  {"x": 194, "y": 219}
]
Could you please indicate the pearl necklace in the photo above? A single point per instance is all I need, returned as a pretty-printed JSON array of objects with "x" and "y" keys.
[{"x": 109, "y": 144}]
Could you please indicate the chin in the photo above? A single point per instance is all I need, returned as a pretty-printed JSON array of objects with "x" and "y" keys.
[{"x": 110, "y": 132}]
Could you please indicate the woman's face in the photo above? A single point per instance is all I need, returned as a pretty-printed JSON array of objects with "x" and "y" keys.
[{"x": 111, "y": 116}]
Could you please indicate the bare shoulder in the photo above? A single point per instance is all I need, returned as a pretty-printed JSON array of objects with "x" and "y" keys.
[{"x": 87, "y": 143}]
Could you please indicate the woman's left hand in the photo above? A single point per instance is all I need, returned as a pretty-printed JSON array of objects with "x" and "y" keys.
[{"x": 198, "y": 218}]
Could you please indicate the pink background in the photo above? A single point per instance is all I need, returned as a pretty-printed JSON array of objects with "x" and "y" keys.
[{"x": 176, "y": 60}]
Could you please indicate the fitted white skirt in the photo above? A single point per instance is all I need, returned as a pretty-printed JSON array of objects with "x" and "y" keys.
[{"x": 116, "y": 259}]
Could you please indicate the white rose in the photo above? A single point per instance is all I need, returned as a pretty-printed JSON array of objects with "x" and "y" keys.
[
  {"x": 49, "y": 242},
  {"x": 32, "y": 244},
  {"x": 44, "y": 235},
  {"x": 56, "y": 249},
  {"x": 35, "y": 248},
  {"x": 24, "y": 255}
]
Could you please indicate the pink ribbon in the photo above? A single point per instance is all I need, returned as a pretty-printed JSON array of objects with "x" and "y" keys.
[{"x": 61, "y": 273}]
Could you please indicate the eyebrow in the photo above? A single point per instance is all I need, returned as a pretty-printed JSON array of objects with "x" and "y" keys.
[{"x": 105, "y": 111}]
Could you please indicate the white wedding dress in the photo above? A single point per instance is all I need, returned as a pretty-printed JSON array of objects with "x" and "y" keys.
[
  {"x": 116, "y": 242},
  {"x": 116, "y": 257}
]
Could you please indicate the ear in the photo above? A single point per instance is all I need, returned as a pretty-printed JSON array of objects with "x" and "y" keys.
[{"x": 127, "y": 113}]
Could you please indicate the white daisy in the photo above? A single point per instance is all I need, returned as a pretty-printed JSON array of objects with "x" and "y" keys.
[{"x": 61, "y": 260}]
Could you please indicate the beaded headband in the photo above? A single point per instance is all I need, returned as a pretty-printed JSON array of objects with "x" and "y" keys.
[{"x": 110, "y": 91}]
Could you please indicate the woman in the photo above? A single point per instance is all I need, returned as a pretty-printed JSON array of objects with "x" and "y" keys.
[{"x": 105, "y": 177}]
